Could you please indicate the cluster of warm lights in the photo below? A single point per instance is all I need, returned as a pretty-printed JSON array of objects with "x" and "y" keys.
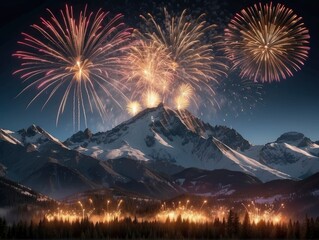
[
  {"x": 63, "y": 215},
  {"x": 220, "y": 212},
  {"x": 82, "y": 211},
  {"x": 185, "y": 94},
  {"x": 152, "y": 72},
  {"x": 184, "y": 212},
  {"x": 266, "y": 212},
  {"x": 151, "y": 98},
  {"x": 133, "y": 108}
]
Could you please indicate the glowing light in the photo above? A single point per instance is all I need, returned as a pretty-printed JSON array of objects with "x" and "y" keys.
[
  {"x": 181, "y": 102},
  {"x": 74, "y": 214},
  {"x": 151, "y": 99},
  {"x": 266, "y": 212},
  {"x": 133, "y": 108},
  {"x": 184, "y": 94}
]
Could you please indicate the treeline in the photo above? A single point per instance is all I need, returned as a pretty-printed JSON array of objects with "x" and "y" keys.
[{"x": 179, "y": 229}]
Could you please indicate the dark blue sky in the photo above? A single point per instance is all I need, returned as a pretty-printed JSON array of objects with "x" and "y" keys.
[{"x": 290, "y": 105}]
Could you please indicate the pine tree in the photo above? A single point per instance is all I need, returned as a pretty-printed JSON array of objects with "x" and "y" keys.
[
  {"x": 3, "y": 228},
  {"x": 246, "y": 227},
  {"x": 230, "y": 224}
]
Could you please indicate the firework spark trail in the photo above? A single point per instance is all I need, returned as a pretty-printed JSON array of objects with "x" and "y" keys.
[
  {"x": 133, "y": 108},
  {"x": 236, "y": 95},
  {"x": 175, "y": 55},
  {"x": 76, "y": 57},
  {"x": 151, "y": 99},
  {"x": 192, "y": 60},
  {"x": 266, "y": 212},
  {"x": 149, "y": 66},
  {"x": 184, "y": 94},
  {"x": 267, "y": 42}
]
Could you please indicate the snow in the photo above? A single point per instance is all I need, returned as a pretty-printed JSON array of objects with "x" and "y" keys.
[
  {"x": 42, "y": 199},
  {"x": 222, "y": 192},
  {"x": 269, "y": 200},
  {"x": 5, "y": 135},
  {"x": 253, "y": 151},
  {"x": 313, "y": 149},
  {"x": 298, "y": 162},
  {"x": 165, "y": 135},
  {"x": 297, "y": 150},
  {"x": 7, "y": 131},
  {"x": 249, "y": 165},
  {"x": 290, "y": 159},
  {"x": 38, "y": 139},
  {"x": 180, "y": 181},
  {"x": 180, "y": 138},
  {"x": 315, "y": 193},
  {"x": 26, "y": 193},
  {"x": 5, "y": 138},
  {"x": 126, "y": 151},
  {"x": 161, "y": 140}
]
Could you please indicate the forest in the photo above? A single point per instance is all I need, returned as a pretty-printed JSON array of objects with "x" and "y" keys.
[{"x": 131, "y": 228}]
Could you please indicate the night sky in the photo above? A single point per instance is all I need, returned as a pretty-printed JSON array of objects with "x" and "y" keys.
[{"x": 289, "y": 105}]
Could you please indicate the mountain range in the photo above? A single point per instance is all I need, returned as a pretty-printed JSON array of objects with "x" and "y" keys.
[{"x": 158, "y": 153}]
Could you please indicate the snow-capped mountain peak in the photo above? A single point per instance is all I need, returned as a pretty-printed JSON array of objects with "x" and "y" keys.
[
  {"x": 292, "y": 153},
  {"x": 81, "y": 136},
  {"x": 33, "y": 136},
  {"x": 164, "y": 134},
  {"x": 134, "y": 154},
  {"x": 294, "y": 138},
  {"x": 249, "y": 165}
]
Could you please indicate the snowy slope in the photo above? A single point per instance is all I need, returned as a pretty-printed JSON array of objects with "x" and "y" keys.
[
  {"x": 13, "y": 193},
  {"x": 249, "y": 165},
  {"x": 33, "y": 136},
  {"x": 54, "y": 179},
  {"x": 5, "y": 135},
  {"x": 46, "y": 165},
  {"x": 2, "y": 170},
  {"x": 38, "y": 160},
  {"x": 177, "y": 137},
  {"x": 143, "y": 180},
  {"x": 213, "y": 183},
  {"x": 292, "y": 153}
]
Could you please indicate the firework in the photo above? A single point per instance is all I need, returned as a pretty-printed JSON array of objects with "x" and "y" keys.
[
  {"x": 267, "y": 42},
  {"x": 185, "y": 90},
  {"x": 192, "y": 60},
  {"x": 133, "y": 108},
  {"x": 79, "y": 59},
  {"x": 72, "y": 213},
  {"x": 238, "y": 95},
  {"x": 181, "y": 102},
  {"x": 182, "y": 211},
  {"x": 184, "y": 94},
  {"x": 266, "y": 212},
  {"x": 183, "y": 54},
  {"x": 151, "y": 99},
  {"x": 150, "y": 68}
]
